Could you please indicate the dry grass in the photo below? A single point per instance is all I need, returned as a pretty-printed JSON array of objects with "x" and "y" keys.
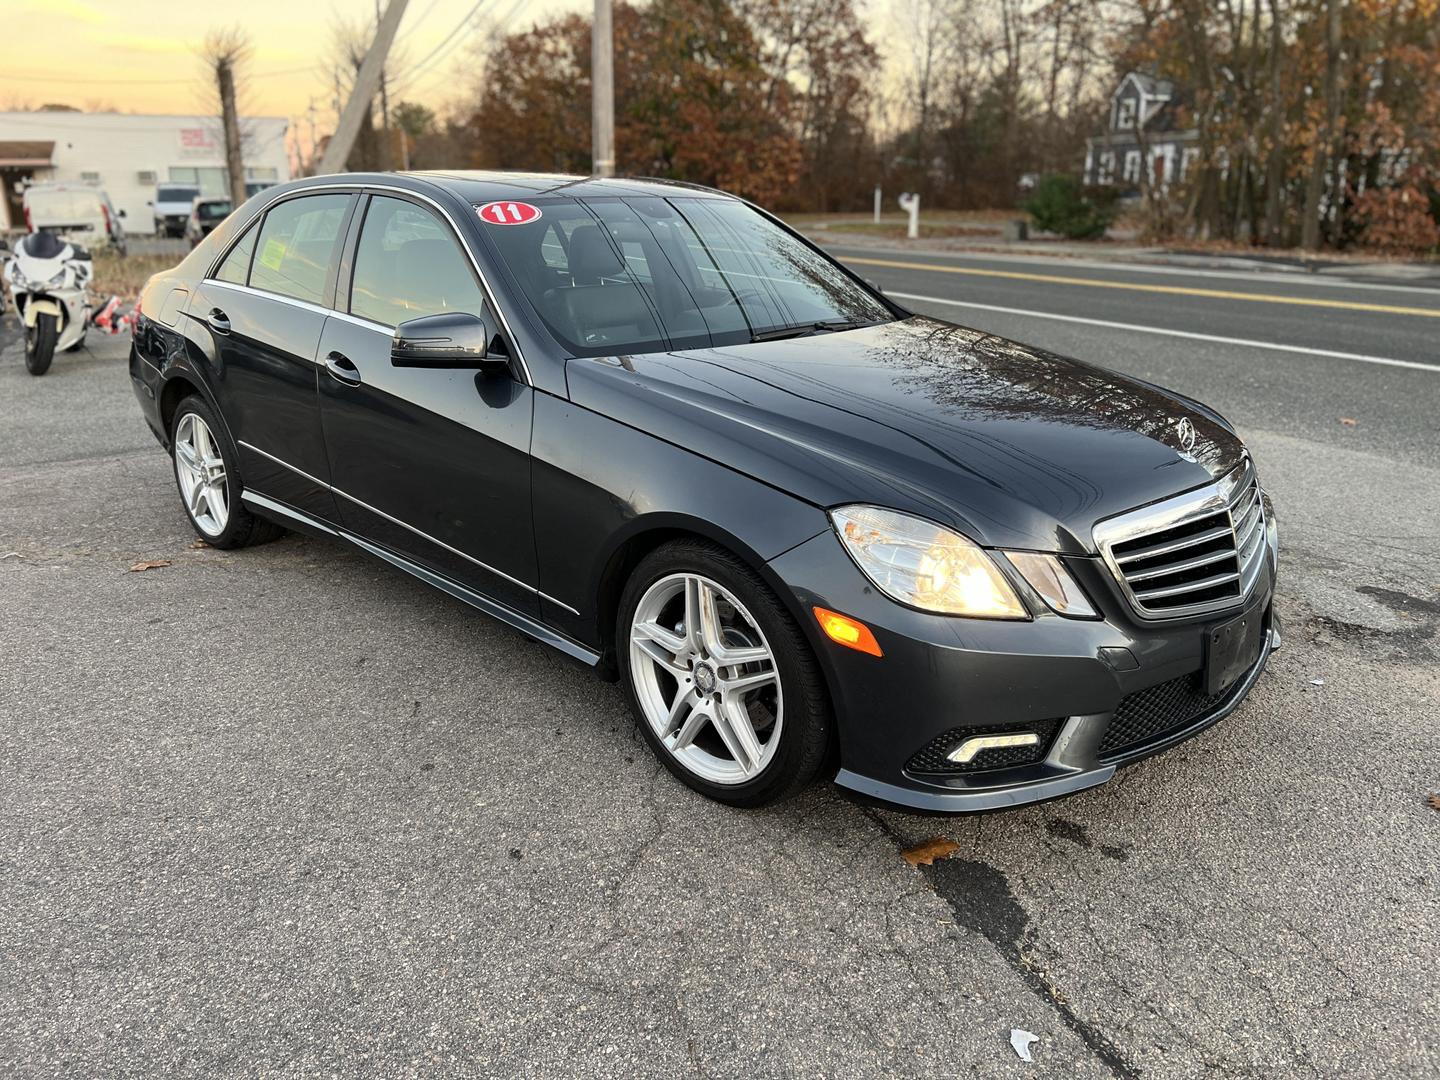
[
  {"x": 993, "y": 216},
  {"x": 896, "y": 230},
  {"x": 125, "y": 277}
]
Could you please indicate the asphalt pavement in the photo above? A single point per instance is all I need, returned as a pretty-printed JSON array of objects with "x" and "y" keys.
[{"x": 286, "y": 812}]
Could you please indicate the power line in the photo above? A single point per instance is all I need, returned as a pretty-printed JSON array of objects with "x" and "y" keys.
[
  {"x": 418, "y": 22},
  {"x": 448, "y": 44}
]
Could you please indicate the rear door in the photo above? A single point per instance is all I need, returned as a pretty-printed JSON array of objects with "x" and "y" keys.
[
  {"x": 433, "y": 463},
  {"x": 265, "y": 306}
]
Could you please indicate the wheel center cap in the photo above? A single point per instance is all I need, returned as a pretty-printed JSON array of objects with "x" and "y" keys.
[{"x": 705, "y": 680}]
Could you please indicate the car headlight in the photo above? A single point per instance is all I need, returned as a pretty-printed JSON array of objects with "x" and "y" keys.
[
  {"x": 924, "y": 565},
  {"x": 1047, "y": 575}
]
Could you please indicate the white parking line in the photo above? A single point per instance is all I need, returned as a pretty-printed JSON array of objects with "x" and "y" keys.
[{"x": 1361, "y": 358}]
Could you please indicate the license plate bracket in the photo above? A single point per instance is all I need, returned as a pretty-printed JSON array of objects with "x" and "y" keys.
[{"x": 1232, "y": 648}]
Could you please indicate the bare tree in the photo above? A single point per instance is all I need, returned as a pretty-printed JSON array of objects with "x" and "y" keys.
[
  {"x": 1324, "y": 148},
  {"x": 224, "y": 52}
]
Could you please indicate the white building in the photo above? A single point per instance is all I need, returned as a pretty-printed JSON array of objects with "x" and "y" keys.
[
  {"x": 128, "y": 155},
  {"x": 1144, "y": 132}
]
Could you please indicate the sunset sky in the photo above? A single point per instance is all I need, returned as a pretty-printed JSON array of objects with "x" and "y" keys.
[{"x": 139, "y": 55}]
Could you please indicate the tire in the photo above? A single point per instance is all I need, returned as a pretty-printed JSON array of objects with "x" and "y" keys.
[
  {"x": 788, "y": 715},
  {"x": 197, "y": 443},
  {"x": 40, "y": 344}
]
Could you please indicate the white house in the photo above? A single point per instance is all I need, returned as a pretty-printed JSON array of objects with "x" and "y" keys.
[
  {"x": 128, "y": 155},
  {"x": 1143, "y": 124}
]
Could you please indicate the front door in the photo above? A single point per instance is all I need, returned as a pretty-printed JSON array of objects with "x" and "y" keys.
[
  {"x": 432, "y": 463},
  {"x": 265, "y": 308}
]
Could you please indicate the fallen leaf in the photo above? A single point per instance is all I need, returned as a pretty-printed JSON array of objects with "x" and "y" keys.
[
  {"x": 199, "y": 544},
  {"x": 149, "y": 564},
  {"x": 1348, "y": 421},
  {"x": 937, "y": 847},
  {"x": 1433, "y": 800}
]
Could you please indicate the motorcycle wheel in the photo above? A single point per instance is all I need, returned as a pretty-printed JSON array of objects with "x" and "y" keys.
[{"x": 40, "y": 344}]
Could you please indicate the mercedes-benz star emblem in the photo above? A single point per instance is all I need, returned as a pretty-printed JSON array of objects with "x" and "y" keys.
[
  {"x": 705, "y": 679},
  {"x": 1185, "y": 436}
]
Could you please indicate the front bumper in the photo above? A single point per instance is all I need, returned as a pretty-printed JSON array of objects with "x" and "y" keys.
[{"x": 1098, "y": 693}]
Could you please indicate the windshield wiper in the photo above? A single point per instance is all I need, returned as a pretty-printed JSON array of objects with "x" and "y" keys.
[{"x": 780, "y": 333}]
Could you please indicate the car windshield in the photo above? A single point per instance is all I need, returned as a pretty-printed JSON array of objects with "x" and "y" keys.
[
  {"x": 623, "y": 275},
  {"x": 62, "y": 206},
  {"x": 213, "y": 211},
  {"x": 176, "y": 194}
]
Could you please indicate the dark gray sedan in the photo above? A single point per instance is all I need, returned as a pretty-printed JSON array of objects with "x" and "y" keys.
[{"x": 811, "y": 533}]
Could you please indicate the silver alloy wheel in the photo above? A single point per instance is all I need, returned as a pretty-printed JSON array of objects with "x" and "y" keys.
[
  {"x": 201, "y": 472},
  {"x": 706, "y": 678}
]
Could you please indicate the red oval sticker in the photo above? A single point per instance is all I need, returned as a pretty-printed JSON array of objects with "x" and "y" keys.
[{"x": 509, "y": 213}]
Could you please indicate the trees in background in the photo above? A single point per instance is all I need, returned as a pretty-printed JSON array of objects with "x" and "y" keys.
[
  {"x": 765, "y": 97},
  {"x": 1318, "y": 120}
]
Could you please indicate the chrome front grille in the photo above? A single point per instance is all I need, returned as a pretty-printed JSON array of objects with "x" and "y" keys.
[{"x": 1197, "y": 552}]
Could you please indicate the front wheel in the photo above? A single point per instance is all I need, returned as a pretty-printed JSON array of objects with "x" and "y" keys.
[
  {"x": 722, "y": 682},
  {"x": 40, "y": 344}
]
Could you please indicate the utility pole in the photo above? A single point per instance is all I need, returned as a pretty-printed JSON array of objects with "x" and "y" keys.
[
  {"x": 602, "y": 91},
  {"x": 367, "y": 79},
  {"x": 384, "y": 106},
  {"x": 234, "y": 163},
  {"x": 310, "y": 159}
]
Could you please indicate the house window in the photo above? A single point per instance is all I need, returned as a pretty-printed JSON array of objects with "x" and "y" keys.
[
  {"x": 1187, "y": 160},
  {"x": 1132, "y": 166},
  {"x": 1107, "y": 168},
  {"x": 1125, "y": 114},
  {"x": 90, "y": 177},
  {"x": 145, "y": 176}
]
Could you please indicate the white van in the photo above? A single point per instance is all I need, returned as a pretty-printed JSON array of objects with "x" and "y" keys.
[
  {"x": 82, "y": 213},
  {"x": 172, "y": 207}
]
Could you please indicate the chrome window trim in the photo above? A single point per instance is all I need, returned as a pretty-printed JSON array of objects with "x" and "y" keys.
[
  {"x": 1201, "y": 502},
  {"x": 406, "y": 525},
  {"x": 362, "y": 188},
  {"x": 250, "y": 290}
]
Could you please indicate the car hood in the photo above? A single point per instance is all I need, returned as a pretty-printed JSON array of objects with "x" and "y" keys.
[{"x": 1013, "y": 446}]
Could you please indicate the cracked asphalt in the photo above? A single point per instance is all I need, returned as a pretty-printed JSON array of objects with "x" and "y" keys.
[{"x": 286, "y": 812}]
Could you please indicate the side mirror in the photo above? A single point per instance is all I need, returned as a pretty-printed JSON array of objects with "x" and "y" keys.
[{"x": 452, "y": 339}]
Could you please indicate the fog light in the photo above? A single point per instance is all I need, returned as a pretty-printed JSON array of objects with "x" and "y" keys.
[{"x": 966, "y": 751}]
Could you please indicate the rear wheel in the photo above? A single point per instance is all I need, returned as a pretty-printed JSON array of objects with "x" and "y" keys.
[
  {"x": 40, "y": 344},
  {"x": 209, "y": 485},
  {"x": 721, "y": 680}
]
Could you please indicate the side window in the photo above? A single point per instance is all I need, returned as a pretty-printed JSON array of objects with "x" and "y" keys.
[
  {"x": 296, "y": 246},
  {"x": 552, "y": 251},
  {"x": 236, "y": 267},
  {"x": 408, "y": 264}
]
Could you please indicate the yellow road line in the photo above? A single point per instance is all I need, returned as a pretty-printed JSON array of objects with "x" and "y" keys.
[{"x": 1173, "y": 290}]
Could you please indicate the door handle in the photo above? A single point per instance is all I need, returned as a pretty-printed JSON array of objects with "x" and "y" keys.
[
  {"x": 218, "y": 321},
  {"x": 342, "y": 370}
]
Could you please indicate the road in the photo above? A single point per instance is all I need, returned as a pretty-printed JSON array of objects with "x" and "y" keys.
[{"x": 285, "y": 811}]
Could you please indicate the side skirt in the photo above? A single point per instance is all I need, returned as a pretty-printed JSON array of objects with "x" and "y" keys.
[{"x": 290, "y": 517}]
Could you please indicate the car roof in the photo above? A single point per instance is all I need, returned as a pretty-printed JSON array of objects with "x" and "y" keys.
[{"x": 482, "y": 186}]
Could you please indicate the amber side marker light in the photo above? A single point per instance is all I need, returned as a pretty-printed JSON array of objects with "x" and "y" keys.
[{"x": 846, "y": 631}]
